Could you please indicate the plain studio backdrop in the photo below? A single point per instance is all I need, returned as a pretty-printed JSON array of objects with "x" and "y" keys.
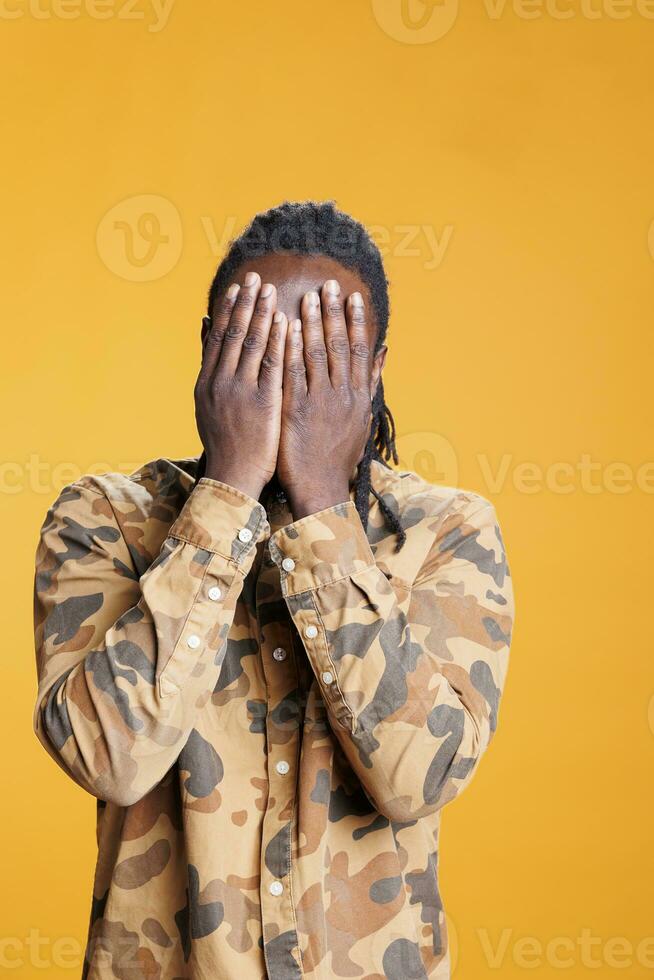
[{"x": 502, "y": 155}]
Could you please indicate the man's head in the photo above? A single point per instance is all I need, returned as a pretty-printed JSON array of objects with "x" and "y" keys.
[{"x": 298, "y": 247}]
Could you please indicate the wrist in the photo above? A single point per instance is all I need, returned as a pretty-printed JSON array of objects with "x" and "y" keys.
[
  {"x": 304, "y": 502},
  {"x": 250, "y": 483}
]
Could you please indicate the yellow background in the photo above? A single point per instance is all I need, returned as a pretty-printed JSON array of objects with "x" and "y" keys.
[{"x": 522, "y": 140}]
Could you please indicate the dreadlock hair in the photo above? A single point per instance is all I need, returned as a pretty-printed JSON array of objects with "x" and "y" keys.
[{"x": 319, "y": 228}]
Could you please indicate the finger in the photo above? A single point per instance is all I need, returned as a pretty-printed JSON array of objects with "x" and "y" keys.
[
  {"x": 360, "y": 355},
  {"x": 238, "y": 325},
  {"x": 256, "y": 339},
  {"x": 336, "y": 338},
  {"x": 315, "y": 353},
  {"x": 214, "y": 340},
  {"x": 295, "y": 375},
  {"x": 272, "y": 363}
]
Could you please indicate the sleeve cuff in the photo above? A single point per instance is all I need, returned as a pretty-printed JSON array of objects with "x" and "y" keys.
[
  {"x": 321, "y": 548},
  {"x": 221, "y": 519}
]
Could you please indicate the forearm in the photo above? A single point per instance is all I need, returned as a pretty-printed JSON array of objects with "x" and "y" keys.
[{"x": 306, "y": 500}]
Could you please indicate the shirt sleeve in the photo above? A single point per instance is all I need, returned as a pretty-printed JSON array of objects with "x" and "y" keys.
[
  {"x": 124, "y": 661},
  {"x": 411, "y": 678}
]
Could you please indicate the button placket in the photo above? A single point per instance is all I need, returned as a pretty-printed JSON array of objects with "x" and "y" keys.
[{"x": 281, "y": 680}]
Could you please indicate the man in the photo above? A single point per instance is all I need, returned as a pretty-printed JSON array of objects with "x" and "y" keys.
[{"x": 275, "y": 663}]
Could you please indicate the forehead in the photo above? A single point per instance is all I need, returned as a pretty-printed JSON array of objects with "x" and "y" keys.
[{"x": 294, "y": 275}]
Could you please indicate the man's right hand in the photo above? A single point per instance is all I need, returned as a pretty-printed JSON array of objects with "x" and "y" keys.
[{"x": 238, "y": 393}]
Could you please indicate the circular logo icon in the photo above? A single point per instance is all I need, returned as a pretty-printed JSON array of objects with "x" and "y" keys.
[
  {"x": 416, "y": 21},
  {"x": 430, "y": 455},
  {"x": 452, "y": 944},
  {"x": 140, "y": 239}
]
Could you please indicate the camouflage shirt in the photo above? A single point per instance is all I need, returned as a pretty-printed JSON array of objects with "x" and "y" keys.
[{"x": 271, "y": 715}]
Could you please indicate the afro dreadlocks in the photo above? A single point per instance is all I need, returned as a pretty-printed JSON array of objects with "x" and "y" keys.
[{"x": 319, "y": 228}]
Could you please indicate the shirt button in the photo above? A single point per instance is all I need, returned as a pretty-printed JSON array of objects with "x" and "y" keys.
[
  {"x": 328, "y": 677},
  {"x": 279, "y": 653},
  {"x": 193, "y": 641},
  {"x": 214, "y": 593},
  {"x": 276, "y": 888},
  {"x": 311, "y": 632},
  {"x": 288, "y": 564},
  {"x": 245, "y": 535},
  {"x": 282, "y": 767}
]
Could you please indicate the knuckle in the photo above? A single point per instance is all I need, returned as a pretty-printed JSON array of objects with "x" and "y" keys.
[
  {"x": 360, "y": 351},
  {"x": 252, "y": 342},
  {"x": 245, "y": 299},
  {"x": 268, "y": 362},
  {"x": 316, "y": 352},
  {"x": 260, "y": 312},
  {"x": 338, "y": 345},
  {"x": 234, "y": 331},
  {"x": 213, "y": 338},
  {"x": 296, "y": 371},
  {"x": 334, "y": 309},
  {"x": 358, "y": 316}
]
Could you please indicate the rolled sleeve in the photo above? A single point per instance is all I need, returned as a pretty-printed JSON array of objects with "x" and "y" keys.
[
  {"x": 320, "y": 549},
  {"x": 221, "y": 519}
]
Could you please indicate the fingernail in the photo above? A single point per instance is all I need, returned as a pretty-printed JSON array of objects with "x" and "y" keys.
[
  {"x": 233, "y": 290},
  {"x": 267, "y": 290},
  {"x": 297, "y": 326},
  {"x": 312, "y": 298},
  {"x": 206, "y": 322},
  {"x": 332, "y": 287},
  {"x": 357, "y": 299},
  {"x": 278, "y": 317},
  {"x": 251, "y": 278}
]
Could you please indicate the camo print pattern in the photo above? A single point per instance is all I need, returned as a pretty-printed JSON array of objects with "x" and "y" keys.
[{"x": 181, "y": 657}]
